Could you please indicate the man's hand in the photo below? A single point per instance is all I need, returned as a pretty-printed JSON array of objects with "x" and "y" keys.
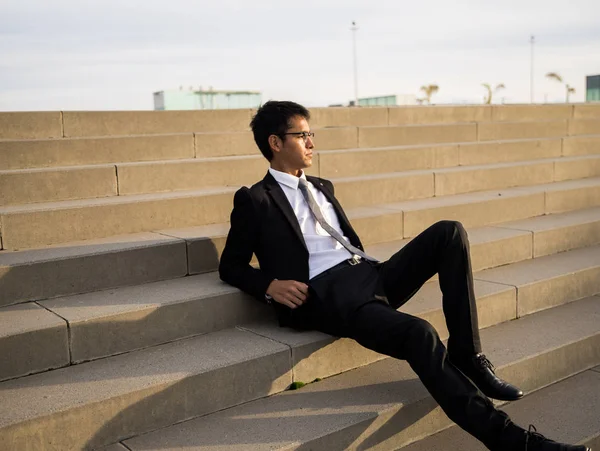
[{"x": 290, "y": 293}]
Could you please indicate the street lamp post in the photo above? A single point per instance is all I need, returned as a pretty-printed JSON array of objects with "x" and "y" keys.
[
  {"x": 532, "y": 40},
  {"x": 354, "y": 28}
]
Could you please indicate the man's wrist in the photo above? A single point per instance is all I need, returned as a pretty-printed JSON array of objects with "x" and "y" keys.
[{"x": 269, "y": 298}]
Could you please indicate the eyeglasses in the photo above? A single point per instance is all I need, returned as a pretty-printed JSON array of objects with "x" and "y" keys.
[{"x": 303, "y": 135}]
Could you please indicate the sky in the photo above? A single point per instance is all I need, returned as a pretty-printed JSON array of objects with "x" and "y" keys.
[{"x": 112, "y": 55}]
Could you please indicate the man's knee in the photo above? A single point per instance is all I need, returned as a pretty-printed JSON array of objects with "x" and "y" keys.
[
  {"x": 421, "y": 331},
  {"x": 449, "y": 226},
  {"x": 452, "y": 230}
]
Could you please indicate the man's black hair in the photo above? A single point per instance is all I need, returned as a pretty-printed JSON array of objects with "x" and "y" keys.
[{"x": 273, "y": 118}]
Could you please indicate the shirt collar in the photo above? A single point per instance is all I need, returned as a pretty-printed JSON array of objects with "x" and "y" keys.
[{"x": 286, "y": 179}]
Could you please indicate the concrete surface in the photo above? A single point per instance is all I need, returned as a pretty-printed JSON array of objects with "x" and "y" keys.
[
  {"x": 492, "y": 131},
  {"x": 561, "y": 232},
  {"x": 381, "y": 406},
  {"x": 113, "y": 398},
  {"x": 565, "y": 412},
  {"x": 472, "y": 209},
  {"x": 531, "y": 112},
  {"x": 102, "y": 123},
  {"x": 416, "y": 134},
  {"x": 165, "y": 176},
  {"x": 110, "y": 322},
  {"x": 573, "y": 195},
  {"x": 570, "y": 168},
  {"x": 383, "y": 188},
  {"x": 338, "y": 117},
  {"x": 508, "y": 150},
  {"x": 357, "y": 162},
  {"x": 60, "y": 222},
  {"x": 25, "y": 154},
  {"x": 28, "y": 125},
  {"x": 31, "y": 340},
  {"x": 204, "y": 245},
  {"x": 586, "y": 111},
  {"x": 581, "y": 145},
  {"x": 493, "y": 176},
  {"x": 79, "y": 267},
  {"x": 584, "y": 126},
  {"x": 551, "y": 280},
  {"x": 24, "y": 186},
  {"x": 439, "y": 114}
]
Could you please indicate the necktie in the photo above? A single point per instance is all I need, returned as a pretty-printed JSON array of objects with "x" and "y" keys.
[{"x": 318, "y": 214}]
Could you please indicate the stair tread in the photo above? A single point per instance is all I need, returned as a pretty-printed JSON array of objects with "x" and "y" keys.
[
  {"x": 555, "y": 221},
  {"x": 83, "y": 307},
  {"x": 79, "y": 203},
  {"x": 482, "y": 196},
  {"x": 540, "y": 268},
  {"x": 114, "y": 301},
  {"x": 23, "y": 318},
  {"x": 345, "y": 400},
  {"x": 409, "y": 204},
  {"x": 565, "y": 411},
  {"x": 159, "y": 237},
  {"x": 152, "y": 368},
  {"x": 77, "y": 249},
  {"x": 99, "y": 304}
]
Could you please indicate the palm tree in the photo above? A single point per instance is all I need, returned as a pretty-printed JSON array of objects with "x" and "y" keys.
[
  {"x": 488, "y": 99},
  {"x": 429, "y": 90},
  {"x": 569, "y": 89}
]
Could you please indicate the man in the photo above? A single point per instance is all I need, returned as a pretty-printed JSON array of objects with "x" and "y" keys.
[{"x": 315, "y": 273}]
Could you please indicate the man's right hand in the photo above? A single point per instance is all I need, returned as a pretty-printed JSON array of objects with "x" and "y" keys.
[{"x": 290, "y": 293}]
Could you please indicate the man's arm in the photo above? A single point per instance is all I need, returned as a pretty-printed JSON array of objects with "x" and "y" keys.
[{"x": 234, "y": 267}]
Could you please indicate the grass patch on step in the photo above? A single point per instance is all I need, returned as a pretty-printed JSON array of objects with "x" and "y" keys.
[{"x": 298, "y": 385}]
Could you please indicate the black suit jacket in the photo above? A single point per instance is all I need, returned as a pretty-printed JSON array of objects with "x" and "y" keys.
[{"x": 263, "y": 222}]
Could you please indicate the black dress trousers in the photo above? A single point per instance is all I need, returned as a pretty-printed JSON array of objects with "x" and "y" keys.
[{"x": 343, "y": 303}]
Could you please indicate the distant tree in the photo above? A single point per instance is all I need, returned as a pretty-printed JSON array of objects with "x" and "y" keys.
[
  {"x": 488, "y": 98},
  {"x": 568, "y": 88},
  {"x": 429, "y": 90}
]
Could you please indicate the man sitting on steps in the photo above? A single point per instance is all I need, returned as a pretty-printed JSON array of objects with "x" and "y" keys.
[{"x": 314, "y": 271}]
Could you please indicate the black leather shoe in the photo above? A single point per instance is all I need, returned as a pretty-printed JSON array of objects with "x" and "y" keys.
[
  {"x": 481, "y": 371},
  {"x": 535, "y": 441}
]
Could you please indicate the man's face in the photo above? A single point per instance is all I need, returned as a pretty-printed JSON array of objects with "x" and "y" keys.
[{"x": 295, "y": 152}]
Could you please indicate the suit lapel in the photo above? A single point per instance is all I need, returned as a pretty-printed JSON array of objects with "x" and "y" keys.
[{"x": 282, "y": 202}]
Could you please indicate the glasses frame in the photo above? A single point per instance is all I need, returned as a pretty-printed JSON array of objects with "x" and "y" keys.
[{"x": 303, "y": 135}]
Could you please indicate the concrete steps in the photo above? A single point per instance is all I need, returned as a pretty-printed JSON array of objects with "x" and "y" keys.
[
  {"x": 140, "y": 391},
  {"x": 167, "y": 372},
  {"x": 34, "y": 125},
  {"x": 100, "y": 329},
  {"x": 36, "y": 225},
  {"x": 58, "y": 152},
  {"x": 24, "y": 186},
  {"x": 46, "y": 153},
  {"x": 383, "y": 405},
  {"x": 566, "y": 411},
  {"x": 105, "y": 323},
  {"x": 80, "y": 267}
]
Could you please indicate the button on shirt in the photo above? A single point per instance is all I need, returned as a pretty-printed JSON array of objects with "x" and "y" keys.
[{"x": 324, "y": 251}]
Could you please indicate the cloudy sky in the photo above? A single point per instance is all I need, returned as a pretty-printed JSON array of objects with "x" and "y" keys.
[{"x": 113, "y": 54}]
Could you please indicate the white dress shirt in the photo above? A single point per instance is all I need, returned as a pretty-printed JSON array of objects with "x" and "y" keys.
[{"x": 324, "y": 251}]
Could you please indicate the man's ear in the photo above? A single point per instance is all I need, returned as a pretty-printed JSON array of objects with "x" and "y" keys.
[{"x": 275, "y": 143}]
